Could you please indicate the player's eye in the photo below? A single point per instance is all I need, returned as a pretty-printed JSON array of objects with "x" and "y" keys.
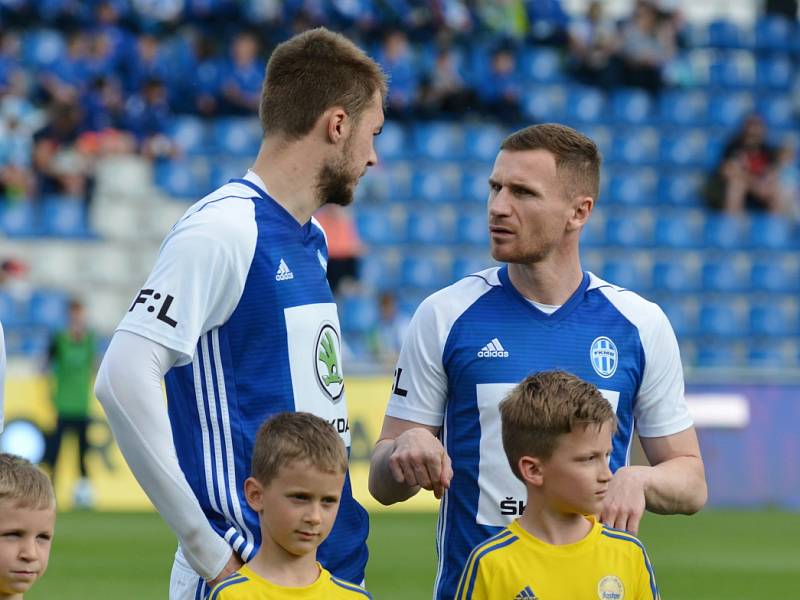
[
  {"x": 330, "y": 500},
  {"x": 11, "y": 534},
  {"x": 45, "y": 537},
  {"x": 300, "y": 497}
]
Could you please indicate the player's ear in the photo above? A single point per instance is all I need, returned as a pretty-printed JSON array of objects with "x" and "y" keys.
[
  {"x": 530, "y": 468},
  {"x": 581, "y": 211},
  {"x": 336, "y": 124},
  {"x": 254, "y": 493}
]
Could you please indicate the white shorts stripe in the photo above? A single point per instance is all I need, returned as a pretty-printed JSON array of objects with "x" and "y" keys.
[{"x": 201, "y": 412}]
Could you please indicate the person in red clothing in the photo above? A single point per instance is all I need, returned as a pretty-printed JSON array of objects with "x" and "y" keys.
[{"x": 344, "y": 245}]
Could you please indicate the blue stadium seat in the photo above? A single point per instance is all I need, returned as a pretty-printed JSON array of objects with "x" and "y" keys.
[
  {"x": 687, "y": 148},
  {"x": 726, "y": 274},
  {"x": 392, "y": 143},
  {"x": 676, "y": 274},
  {"x": 541, "y": 65},
  {"x": 719, "y": 354},
  {"x": 475, "y": 183},
  {"x": 774, "y": 318},
  {"x": 728, "y": 109},
  {"x": 472, "y": 228},
  {"x": 721, "y": 319},
  {"x": 187, "y": 178},
  {"x": 379, "y": 225},
  {"x": 424, "y": 271},
  {"x": 678, "y": 231},
  {"x": 9, "y": 311},
  {"x": 390, "y": 181},
  {"x": 724, "y": 34},
  {"x": 770, "y": 355},
  {"x": 626, "y": 273},
  {"x": 380, "y": 268},
  {"x": 42, "y": 47},
  {"x": 775, "y": 72},
  {"x": 29, "y": 342},
  {"x": 684, "y": 108},
  {"x": 585, "y": 105},
  {"x": 635, "y": 146},
  {"x": 431, "y": 225},
  {"x": 773, "y": 32},
  {"x": 189, "y": 134},
  {"x": 682, "y": 315},
  {"x": 466, "y": 263},
  {"x": 19, "y": 219},
  {"x": 359, "y": 314},
  {"x": 237, "y": 136},
  {"x": 636, "y": 187},
  {"x": 631, "y": 106},
  {"x": 630, "y": 231},
  {"x": 439, "y": 141},
  {"x": 726, "y": 232},
  {"x": 776, "y": 274},
  {"x": 438, "y": 183},
  {"x": 733, "y": 69},
  {"x": 483, "y": 141},
  {"x": 48, "y": 309},
  {"x": 225, "y": 169},
  {"x": 64, "y": 217},
  {"x": 545, "y": 103},
  {"x": 681, "y": 188},
  {"x": 777, "y": 110},
  {"x": 602, "y": 136},
  {"x": 773, "y": 232},
  {"x": 593, "y": 234}
]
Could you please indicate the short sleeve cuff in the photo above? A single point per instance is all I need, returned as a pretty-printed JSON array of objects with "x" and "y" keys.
[
  {"x": 662, "y": 430},
  {"x": 415, "y": 415}
]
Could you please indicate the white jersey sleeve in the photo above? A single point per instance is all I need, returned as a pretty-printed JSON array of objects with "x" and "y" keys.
[
  {"x": 199, "y": 275},
  {"x": 660, "y": 407}
]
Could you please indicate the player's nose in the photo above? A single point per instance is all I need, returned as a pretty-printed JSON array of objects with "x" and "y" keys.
[
  {"x": 27, "y": 550},
  {"x": 313, "y": 514}
]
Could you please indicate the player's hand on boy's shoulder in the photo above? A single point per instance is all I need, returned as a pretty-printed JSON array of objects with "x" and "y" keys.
[
  {"x": 234, "y": 564},
  {"x": 418, "y": 458},
  {"x": 624, "y": 503}
]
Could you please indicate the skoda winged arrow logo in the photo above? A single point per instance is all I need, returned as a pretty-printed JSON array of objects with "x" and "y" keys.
[{"x": 326, "y": 359}]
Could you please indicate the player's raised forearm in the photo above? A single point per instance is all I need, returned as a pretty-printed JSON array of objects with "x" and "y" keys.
[
  {"x": 129, "y": 389},
  {"x": 677, "y": 486},
  {"x": 382, "y": 484}
]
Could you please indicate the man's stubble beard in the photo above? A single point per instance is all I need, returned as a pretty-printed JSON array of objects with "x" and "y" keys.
[{"x": 335, "y": 185}]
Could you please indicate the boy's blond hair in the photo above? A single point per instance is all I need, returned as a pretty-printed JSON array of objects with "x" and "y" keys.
[
  {"x": 296, "y": 436},
  {"x": 545, "y": 406},
  {"x": 24, "y": 485}
]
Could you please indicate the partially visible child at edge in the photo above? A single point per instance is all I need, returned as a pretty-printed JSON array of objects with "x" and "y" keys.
[
  {"x": 27, "y": 523},
  {"x": 296, "y": 479},
  {"x": 557, "y": 432}
]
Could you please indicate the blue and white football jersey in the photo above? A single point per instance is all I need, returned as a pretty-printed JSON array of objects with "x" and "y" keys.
[
  {"x": 469, "y": 344},
  {"x": 239, "y": 290}
]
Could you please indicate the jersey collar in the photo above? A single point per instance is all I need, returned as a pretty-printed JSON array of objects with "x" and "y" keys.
[
  {"x": 566, "y": 308},
  {"x": 255, "y": 183}
]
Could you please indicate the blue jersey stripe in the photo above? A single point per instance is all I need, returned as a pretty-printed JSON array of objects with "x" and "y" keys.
[
  {"x": 474, "y": 575},
  {"x": 227, "y": 583},
  {"x": 472, "y": 560},
  {"x": 198, "y": 592},
  {"x": 349, "y": 586},
  {"x": 629, "y": 538}
]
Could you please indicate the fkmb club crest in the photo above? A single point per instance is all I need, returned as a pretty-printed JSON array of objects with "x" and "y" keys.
[
  {"x": 327, "y": 354},
  {"x": 604, "y": 356}
]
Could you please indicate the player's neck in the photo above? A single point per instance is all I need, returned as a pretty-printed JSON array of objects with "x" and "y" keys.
[
  {"x": 549, "y": 281},
  {"x": 553, "y": 526},
  {"x": 277, "y": 566},
  {"x": 290, "y": 174}
]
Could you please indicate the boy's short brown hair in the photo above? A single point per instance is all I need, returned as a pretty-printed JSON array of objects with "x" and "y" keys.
[
  {"x": 577, "y": 157},
  {"x": 311, "y": 72},
  {"x": 545, "y": 406},
  {"x": 296, "y": 436},
  {"x": 24, "y": 485}
]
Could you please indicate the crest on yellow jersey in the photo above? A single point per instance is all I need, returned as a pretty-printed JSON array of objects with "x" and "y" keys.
[{"x": 610, "y": 588}]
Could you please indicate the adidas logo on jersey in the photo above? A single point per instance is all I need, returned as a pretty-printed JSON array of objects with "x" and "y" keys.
[
  {"x": 284, "y": 272},
  {"x": 493, "y": 349},
  {"x": 527, "y": 593}
]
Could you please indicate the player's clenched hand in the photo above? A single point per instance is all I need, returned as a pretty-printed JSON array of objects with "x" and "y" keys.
[
  {"x": 233, "y": 565},
  {"x": 624, "y": 503},
  {"x": 418, "y": 458}
]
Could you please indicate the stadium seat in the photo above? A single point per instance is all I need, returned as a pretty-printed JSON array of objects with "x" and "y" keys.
[
  {"x": 593, "y": 234},
  {"x": 64, "y": 217},
  {"x": 734, "y": 69},
  {"x": 773, "y": 232},
  {"x": 431, "y": 225},
  {"x": 684, "y": 108},
  {"x": 359, "y": 314},
  {"x": 425, "y": 271},
  {"x": 626, "y": 273},
  {"x": 189, "y": 134},
  {"x": 475, "y": 183},
  {"x": 775, "y": 318},
  {"x": 472, "y": 228},
  {"x": 188, "y": 178},
  {"x": 237, "y": 136},
  {"x": 545, "y": 103},
  {"x": 635, "y": 187},
  {"x": 630, "y": 231},
  {"x": 635, "y": 146},
  {"x": 721, "y": 319},
  {"x": 682, "y": 315},
  {"x": 466, "y": 263},
  {"x": 776, "y": 274},
  {"x": 380, "y": 268},
  {"x": 677, "y": 274},
  {"x": 729, "y": 273},
  {"x": 724, "y": 34},
  {"x": 388, "y": 181},
  {"x": 223, "y": 169},
  {"x": 18, "y": 219},
  {"x": 681, "y": 230},
  {"x": 771, "y": 355},
  {"x": 541, "y": 65},
  {"x": 392, "y": 143},
  {"x": 681, "y": 188},
  {"x": 775, "y": 72},
  {"x": 42, "y": 47},
  {"x": 483, "y": 142},
  {"x": 437, "y": 183},
  {"x": 438, "y": 141},
  {"x": 631, "y": 106},
  {"x": 719, "y": 354},
  {"x": 774, "y": 32},
  {"x": 687, "y": 148},
  {"x": 726, "y": 232},
  {"x": 48, "y": 309},
  {"x": 729, "y": 109},
  {"x": 9, "y": 311},
  {"x": 28, "y": 342},
  {"x": 585, "y": 105},
  {"x": 379, "y": 225},
  {"x": 602, "y": 135},
  {"x": 776, "y": 109}
]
